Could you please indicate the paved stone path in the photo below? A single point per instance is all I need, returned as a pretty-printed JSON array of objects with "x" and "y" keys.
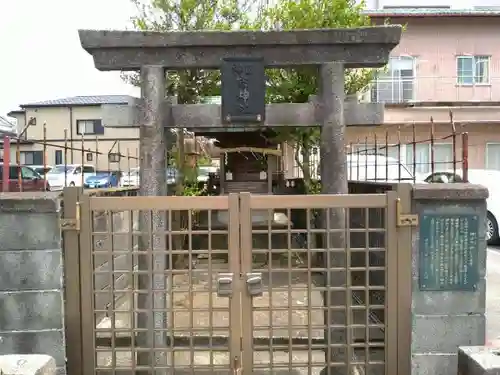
[{"x": 293, "y": 306}]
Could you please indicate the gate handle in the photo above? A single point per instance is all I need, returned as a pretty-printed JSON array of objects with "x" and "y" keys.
[
  {"x": 224, "y": 285},
  {"x": 254, "y": 284}
]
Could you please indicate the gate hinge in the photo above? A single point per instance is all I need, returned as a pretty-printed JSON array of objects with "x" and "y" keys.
[
  {"x": 405, "y": 220},
  {"x": 71, "y": 224}
]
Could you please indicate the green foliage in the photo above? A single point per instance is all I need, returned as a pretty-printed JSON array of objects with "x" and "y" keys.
[
  {"x": 285, "y": 85},
  {"x": 192, "y": 190},
  {"x": 204, "y": 160},
  {"x": 296, "y": 85},
  {"x": 188, "y": 15}
]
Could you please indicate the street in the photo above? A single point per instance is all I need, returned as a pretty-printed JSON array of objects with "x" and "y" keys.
[{"x": 493, "y": 297}]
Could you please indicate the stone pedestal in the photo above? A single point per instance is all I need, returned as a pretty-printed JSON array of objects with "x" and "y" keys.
[
  {"x": 478, "y": 360},
  {"x": 443, "y": 320},
  {"x": 27, "y": 364}
]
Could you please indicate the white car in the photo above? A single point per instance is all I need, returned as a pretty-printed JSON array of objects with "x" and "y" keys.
[
  {"x": 62, "y": 175},
  {"x": 374, "y": 167},
  {"x": 41, "y": 169},
  {"x": 487, "y": 178},
  {"x": 130, "y": 178}
]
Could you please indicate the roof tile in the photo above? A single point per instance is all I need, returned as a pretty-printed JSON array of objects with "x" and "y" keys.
[{"x": 82, "y": 100}]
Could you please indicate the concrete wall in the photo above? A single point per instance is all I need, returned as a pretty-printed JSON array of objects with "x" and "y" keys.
[
  {"x": 445, "y": 320},
  {"x": 31, "y": 296}
]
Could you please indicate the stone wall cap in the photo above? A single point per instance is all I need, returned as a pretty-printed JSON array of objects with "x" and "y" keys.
[
  {"x": 455, "y": 191},
  {"x": 486, "y": 358},
  {"x": 32, "y": 202},
  {"x": 98, "y": 39},
  {"x": 27, "y": 364},
  {"x": 31, "y": 195}
]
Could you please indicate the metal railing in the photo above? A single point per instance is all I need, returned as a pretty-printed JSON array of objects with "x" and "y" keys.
[
  {"x": 87, "y": 151},
  {"x": 432, "y": 89},
  {"x": 379, "y": 158}
]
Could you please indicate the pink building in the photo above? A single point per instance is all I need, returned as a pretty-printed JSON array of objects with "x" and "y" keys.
[{"x": 447, "y": 60}]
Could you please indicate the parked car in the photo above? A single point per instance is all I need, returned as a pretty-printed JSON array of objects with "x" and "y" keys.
[
  {"x": 31, "y": 181},
  {"x": 488, "y": 179},
  {"x": 40, "y": 169},
  {"x": 103, "y": 179},
  {"x": 130, "y": 178},
  {"x": 62, "y": 175},
  {"x": 374, "y": 167}
]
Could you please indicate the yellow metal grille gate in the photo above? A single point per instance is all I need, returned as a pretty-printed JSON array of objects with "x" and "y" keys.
[{"x": 241, "y": 288}]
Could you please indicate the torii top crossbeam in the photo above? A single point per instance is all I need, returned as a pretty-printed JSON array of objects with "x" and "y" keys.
[{"x": 129, "y": 50}]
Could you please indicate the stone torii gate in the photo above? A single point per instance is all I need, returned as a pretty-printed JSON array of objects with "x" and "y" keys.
[{"x": 152, "y": 54}]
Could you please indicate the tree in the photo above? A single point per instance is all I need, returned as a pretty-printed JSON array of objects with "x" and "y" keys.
[
  {"x": 285, "y": 85},
  {"x": 296, "y": 85},
  {"x": 187, "y": 15}
]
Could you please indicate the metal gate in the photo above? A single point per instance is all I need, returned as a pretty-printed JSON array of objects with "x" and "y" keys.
[{"x": 231, "y": 284}]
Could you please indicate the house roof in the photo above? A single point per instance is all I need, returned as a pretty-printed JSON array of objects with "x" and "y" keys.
[
  {"x": 16, "y": 112},
  {"x": 81, "y": 101},
  {"x": 431, "y": 12}
]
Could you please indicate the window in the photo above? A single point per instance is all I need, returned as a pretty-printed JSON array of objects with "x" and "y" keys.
[
  {"x": 493, "y": 156},
  {"x": 31, "y": 157},
  {"x": 89, "y": 156},
  {"x": 59, "y": 156},
  {"x": 473, "y": 70},
  {"x": 13, "y": 173},
  {"x": 28, "y": 174},
  {"x": 113, "y": 157},
  {"x": 396, "y": 84},
  {"x": 443, "y": 157},
  {"x": 412, "y": 7},
  {"x": 88, "y": 169},
  {"x": 89, "y": 127}
]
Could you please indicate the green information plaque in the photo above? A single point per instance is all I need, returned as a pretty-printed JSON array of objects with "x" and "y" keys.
[{"x": 448, "y": 252}]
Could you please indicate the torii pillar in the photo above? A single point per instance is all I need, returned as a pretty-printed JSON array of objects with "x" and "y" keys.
[{"x": 332, "y": 50}]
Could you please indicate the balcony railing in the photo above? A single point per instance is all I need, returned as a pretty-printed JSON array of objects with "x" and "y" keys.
[{"x": 432, "y": 89}]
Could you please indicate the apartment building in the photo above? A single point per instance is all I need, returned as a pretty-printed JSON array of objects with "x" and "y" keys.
[
  {"x": 74, "y": 133},
  {"x": 447, "y": 60},
  {"x": 450, "y": 4}
]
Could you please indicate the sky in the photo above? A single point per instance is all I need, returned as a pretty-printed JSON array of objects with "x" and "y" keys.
[
  {"x": 40, "y": 53},
  {"x": 41, "y": 57}
]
